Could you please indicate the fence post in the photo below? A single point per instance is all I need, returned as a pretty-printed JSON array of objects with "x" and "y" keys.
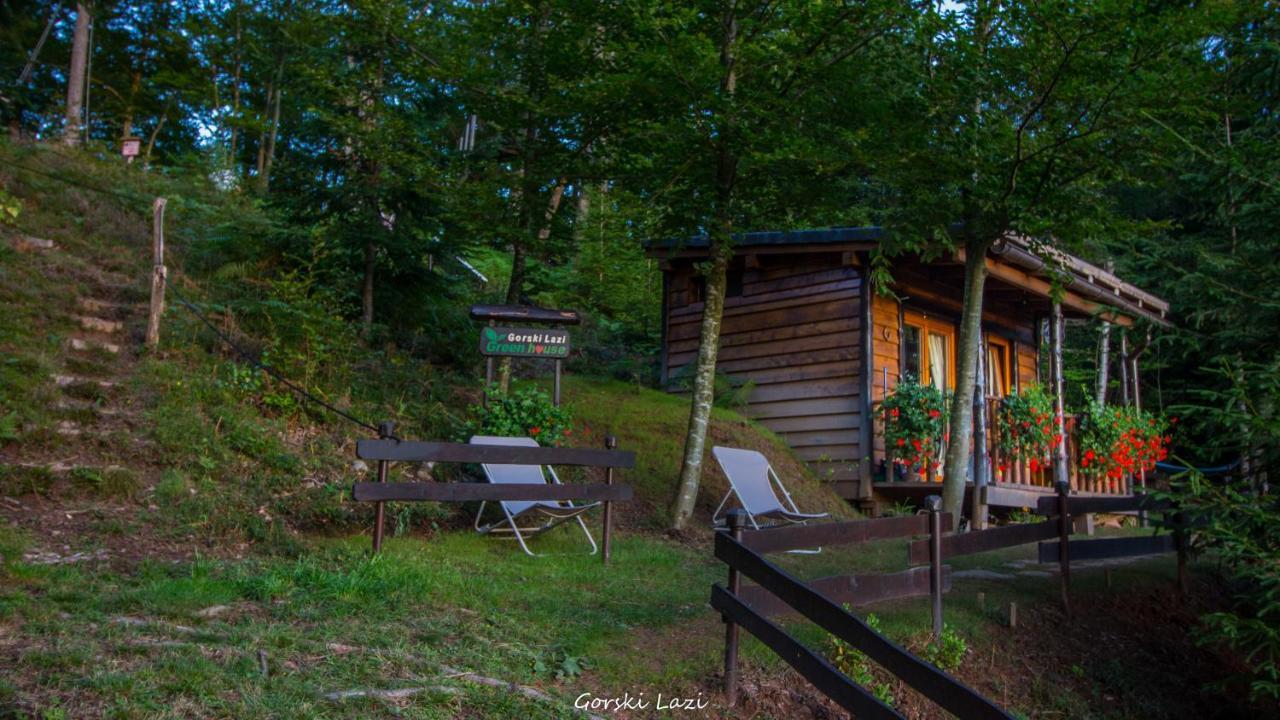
[
  {"x": 933, "y": 504},
  {"x": 735, "y": 521},
  {"x": 1064, "y": 538},
  {"x": 385, "y": 430},
  {"x": 158, "y": 272},
  {"x": 610, "y": 443},
  {"x": 1180, "y": 542}
]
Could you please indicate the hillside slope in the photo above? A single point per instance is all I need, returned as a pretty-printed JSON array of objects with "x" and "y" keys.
[{"x": 193, "y": 448}]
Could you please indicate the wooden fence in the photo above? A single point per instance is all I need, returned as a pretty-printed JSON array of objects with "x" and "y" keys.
[
  {"x": 386, "y": 450},
  {"x": 778, "y": 593}
]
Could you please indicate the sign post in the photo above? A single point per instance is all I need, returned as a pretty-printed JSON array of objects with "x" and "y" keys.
[
  {"x": 525, "y": 342},
  {"x": 130, "y": 148}
]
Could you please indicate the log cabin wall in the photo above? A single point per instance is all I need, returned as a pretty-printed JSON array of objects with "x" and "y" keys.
[{"x": 792, "y": 328}]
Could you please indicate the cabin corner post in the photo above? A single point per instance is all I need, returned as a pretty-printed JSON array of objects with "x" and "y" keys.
[
  {"x": 385, "y": 430},
  {"x": 735, "y": 521},
  {"x": 866, "y": 435},
  {"x": 933, "y": 504},
  {"x": 1064, "y": 538},
  {"x": 610, "y": 443},
  {"x": 1056, "y": 326}
]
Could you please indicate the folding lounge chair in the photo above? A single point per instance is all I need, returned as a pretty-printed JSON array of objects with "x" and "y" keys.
[
  {"x": 751, "y": 479},
  {"x": 550, "y": 512}
]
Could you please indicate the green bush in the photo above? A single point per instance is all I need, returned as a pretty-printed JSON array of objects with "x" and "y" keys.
[
  {"x": 1242, "y": 530},
  {"x": 523, "y": 412}
]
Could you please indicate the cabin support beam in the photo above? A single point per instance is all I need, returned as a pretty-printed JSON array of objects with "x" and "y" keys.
[{"x": 866, "y": 435}]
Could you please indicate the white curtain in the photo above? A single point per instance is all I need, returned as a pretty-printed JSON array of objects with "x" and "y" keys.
[
  {"x": 995, "y": 372},
  {"x": 938, "y": 360}
]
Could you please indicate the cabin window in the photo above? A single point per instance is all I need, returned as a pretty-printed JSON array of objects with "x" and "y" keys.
[
  {"x": 928, "y": 350},
  {"x": 997, "y": 367},
  {"x": 911, "y": 351}
]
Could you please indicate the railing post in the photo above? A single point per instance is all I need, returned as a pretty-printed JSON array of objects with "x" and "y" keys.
[
  {"x": 159, "y": 273},
  {"x": 735, "y": 520},
  {"x": 1064, "y": 538},
  {"x": 933, "y": 504},
  {"x": 385, "y": 429},
  {"x": 610, "y": 443}
]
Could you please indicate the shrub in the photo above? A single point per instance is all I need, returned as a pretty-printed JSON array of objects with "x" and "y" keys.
[
  {"x": 858, "y": 667},
  {"x": 949, "y": 651},
  {"x": 1242, "y": 528},
  {"x": 1024, "y": 427},
  {"x": 915, "y": 421},
  {"x": 524, "y": 412}
]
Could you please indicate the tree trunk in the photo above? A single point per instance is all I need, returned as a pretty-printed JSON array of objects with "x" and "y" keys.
[
  {"x": 969, "y": 344},
  {"x": 235, "y": 95},
  {"x": 76, "y": 76},
  {"x": 515, "y": 286},
  {"x": 721, "y": 250},
  {"x": 704, "y": 380},
  {"x": 264, "y": 180},
  {"x": 1104, "y": 364},
  {"x": 366, "y": 291}
]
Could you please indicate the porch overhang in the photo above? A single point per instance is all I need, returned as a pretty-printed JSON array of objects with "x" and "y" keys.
[{"x": 1015, "y": 261}]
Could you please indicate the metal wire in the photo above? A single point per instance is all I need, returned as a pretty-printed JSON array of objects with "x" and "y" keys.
[{"x": 257, "y": 362}]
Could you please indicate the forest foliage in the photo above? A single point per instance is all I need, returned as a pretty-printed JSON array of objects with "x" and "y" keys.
[{"x": 398, "y": 161}]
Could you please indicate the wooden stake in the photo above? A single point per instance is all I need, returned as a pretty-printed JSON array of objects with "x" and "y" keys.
[
  {"x": 158, "y": 273},
  {"x": 1013, "y": 614}
]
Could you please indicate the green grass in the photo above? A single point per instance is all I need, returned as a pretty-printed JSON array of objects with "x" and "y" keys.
[
  {"x": 652, "y": 424},
  {"x": 457, "y": 599}
]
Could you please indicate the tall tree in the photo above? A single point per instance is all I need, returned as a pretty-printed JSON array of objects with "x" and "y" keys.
[
  {"x": 753, "y": 115},
  {"x": 76, "y": 76},
  {"x": 1026, "y": 113}
]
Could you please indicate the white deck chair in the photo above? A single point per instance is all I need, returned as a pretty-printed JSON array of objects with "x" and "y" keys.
[
  {"x": 751, "y": 478},
  {"x": 513, "y": 511}
]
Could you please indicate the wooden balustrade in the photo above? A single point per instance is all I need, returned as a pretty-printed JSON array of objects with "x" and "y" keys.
[{"x": 1010, "y": 472}]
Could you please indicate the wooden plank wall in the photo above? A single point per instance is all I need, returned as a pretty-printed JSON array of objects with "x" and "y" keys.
[
  {"x": 886, "y": 367},
  {"x": 794, "y": 332},
  {"x": 1028, "y": 365}
]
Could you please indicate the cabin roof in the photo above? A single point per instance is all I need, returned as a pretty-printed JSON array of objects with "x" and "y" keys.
[{"x": 1014, "y": 251}]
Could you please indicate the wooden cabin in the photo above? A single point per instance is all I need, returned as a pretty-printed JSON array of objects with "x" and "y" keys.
[{"x": 802, "y": 325}]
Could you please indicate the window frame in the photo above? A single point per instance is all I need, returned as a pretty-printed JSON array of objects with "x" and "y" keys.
[
  {"x": 1007, "y": 348},
  {"x": 927, "y": 324}
]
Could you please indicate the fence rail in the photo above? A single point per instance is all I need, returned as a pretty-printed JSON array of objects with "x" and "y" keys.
[
  {"x": 778, "y": 593},
  {"x": 387, "y": 449},
  {"x": 938, "y": 686},
  {"x": 838, "y": 533},
  {"x": 854, "y": 590}
]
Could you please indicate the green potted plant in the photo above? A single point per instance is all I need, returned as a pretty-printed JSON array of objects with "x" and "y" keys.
[
  {"x": 1024, "y": 429},
  {"x": 915, "y": 421}
]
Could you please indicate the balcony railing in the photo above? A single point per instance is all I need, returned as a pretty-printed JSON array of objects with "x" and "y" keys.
[{"x": 1007, "y": 471}]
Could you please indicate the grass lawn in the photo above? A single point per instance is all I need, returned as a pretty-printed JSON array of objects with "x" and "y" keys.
[
  {"x": 91, "y": 641},
  {"x": 169, "y": 640}
]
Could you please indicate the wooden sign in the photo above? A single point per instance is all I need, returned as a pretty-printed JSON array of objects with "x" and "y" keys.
[
  {"x": 130, "y": 147},
  {"x": 525, "y": 342}
]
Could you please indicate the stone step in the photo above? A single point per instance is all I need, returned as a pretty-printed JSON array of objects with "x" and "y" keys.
[
  {"x": 97, "y": 324},
  {"x": 94, "y": 305},
  {"x": 69, "y": 428},
  {"x": 27, "y": 243},
  {"x": 68, "y": 380},
  {"x": 66, "y": 404},
  {"x": 88, "y": 344}
]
